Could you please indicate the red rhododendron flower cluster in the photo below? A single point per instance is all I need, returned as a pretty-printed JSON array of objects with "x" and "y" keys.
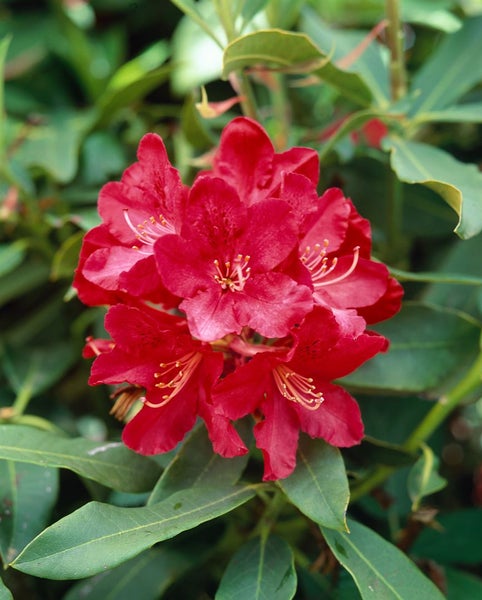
[{"x": 245, "y": 294}]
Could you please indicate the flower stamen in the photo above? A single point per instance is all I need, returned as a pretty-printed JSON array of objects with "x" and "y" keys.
[
  {"x": 316, "y": 261},
  {"x": 234, "y": 275},
  {"x": 175, "y": 375},
  {"x": 297, "y": 388},
  {"x": 125, "y": 397},
  {"x": 150, "y": 230}
]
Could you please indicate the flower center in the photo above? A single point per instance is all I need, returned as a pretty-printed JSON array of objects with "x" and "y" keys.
[
  {"x": 174, "y": 376},
  {"x": 316, "y": 261},
  {"x": 150, "y": 230},
  {"x": 233, "y": 275},
  {"x": 297, "y": 388}
]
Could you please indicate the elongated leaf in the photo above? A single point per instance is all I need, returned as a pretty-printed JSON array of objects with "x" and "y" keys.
[
  {"x": 293, "y": 52},
  {"x": 196, "y": 465},
  {"x": 379, "y": 569},
  {"x": 99, "y": 536},
  {"x": 455, "y": 541},
  {"x": 454, "y": 68},
  {"x": 261, "y": 570},
  {"x": 471, "y": 113},
  {"x": 4, "y": 43},
  {"x": 28, "y": 494},
  {"x": 370, "y": 64},
  {"x": 11, "y": 255},
  {"x": 459, "y": 184},
  {"x": 144, "y": 577},
  {"x": 423, "y": 478},
  {"x": 5, "y": 593},
  {"x": 428, "y": 344},
  {"x": 319, "y": 486},
  {"x": 109, "y": 463}
]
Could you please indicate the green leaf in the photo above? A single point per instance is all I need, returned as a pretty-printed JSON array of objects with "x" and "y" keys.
[
  {"x": 319, "y": 486},
  {"x": 470, "y": 112},
  {"x": 462, "y": 585},
  {"x": 250, "y": 8},
  {"x": 459, "y": 184},
  {"x": 35, "y": 369},
  {"x": 145, "y": 577},
  {"x": 110, "y": 463},
  {"x": 67, "y": 257},
  {"x": 11, "y": 256},
  {"x": 453, "y": 69},
  {"x": 379, "y": 569},
  {"x": 423, "y": 478},
  {"x": 4, "y": 43},
  {"x": 372, "y": 452},
  {"x": 462, "y": 258},
  {"x": 196, "y": 465},
  {"x": 370, "y": 65},
  {"x": 54, "y": 146},
  {"x": 28, "y": 493},
  {"x": 99, "y": 536},
  {"x": 428, "y": 344},
  {"x": 293, "y": 53},
  {"x": 23, "y": 280},
  {"x": 5, "y": 593},
  {"x": 456, "y": 539},
  {"x": 262, "y": 569}
]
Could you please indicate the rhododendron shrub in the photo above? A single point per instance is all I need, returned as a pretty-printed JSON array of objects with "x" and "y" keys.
[{"x": 247, "y": 293}]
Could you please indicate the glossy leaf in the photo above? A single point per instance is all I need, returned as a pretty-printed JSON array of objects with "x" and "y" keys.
[
  {"x": 110, "y": 463},
  {"x": 423, "y": 478},
  {"x": 456, "y": 540},
  {"x": 428, "y": 344},
  {"x": 28, "y": 494},
  {"x": 459, "y": 184},
  {"x": 196, "y": 465},
  {"x": 260, "y": 570},
  {"x": 294, "y": 53},
  {"x": 463, "y": 258},
  {"x": 318, "y": 486},
  {"x": 100, "y": 536},
  {"x": 144, "y": 577},
  {"x": 341, "y": 44},
  {"x": 380, "y": 570},
  {"x": 453, "y": 69}
]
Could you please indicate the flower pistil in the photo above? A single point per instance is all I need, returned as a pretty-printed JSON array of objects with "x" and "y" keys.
[{"x": 235, "y": 273}]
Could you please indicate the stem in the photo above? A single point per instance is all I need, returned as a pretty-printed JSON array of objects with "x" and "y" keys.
[
  {"x": 248, "y": 105},
  {"x": 426, "y": 428},
  {"x": 445, "y": 406},
  {"x": 398, "y": 78},
  {"x": 270, "y": 515}
]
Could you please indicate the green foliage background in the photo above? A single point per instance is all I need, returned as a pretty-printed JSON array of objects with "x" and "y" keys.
[{"x": 83, "y": 517}]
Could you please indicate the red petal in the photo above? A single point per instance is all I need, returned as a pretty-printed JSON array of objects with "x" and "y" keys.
[{"x": 337, "y": 420}]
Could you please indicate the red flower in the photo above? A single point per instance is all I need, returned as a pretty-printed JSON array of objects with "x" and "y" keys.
[
  {"x": 289, "y": 389},
  {"x": 145, "y": 205},
  {"x": 152, "y": 351},
  {"x": 247, "y": 160},
  {"x": 222, "y": 263},
  {"x": 335, "y": 249}
]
